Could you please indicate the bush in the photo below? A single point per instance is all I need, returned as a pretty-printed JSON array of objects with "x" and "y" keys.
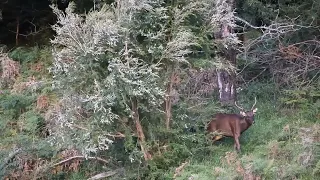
[
  {"x": 31, "y": 122},
  {"x": 17, "y": 102}
]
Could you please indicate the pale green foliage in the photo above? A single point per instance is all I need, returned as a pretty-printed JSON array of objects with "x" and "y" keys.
[
  {"x": 95, "y": 69},
  {"x": 136, "y": 79},
  {"x": 178, "y": 47},
  {"x": 224, "y": 14},
  {"x": 99, "y": 66},
  {"x": 83, "y": 38}
]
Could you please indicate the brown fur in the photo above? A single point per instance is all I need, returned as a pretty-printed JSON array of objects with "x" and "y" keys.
[{"x": 232, "y": 125}]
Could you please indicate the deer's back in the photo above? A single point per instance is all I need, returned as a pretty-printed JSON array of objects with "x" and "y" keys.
[{"x": 224, "y": 123}]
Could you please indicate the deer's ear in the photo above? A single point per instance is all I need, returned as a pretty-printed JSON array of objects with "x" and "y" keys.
[
  {"x": 242, "y": 113},
  {"x": 255, "y": 110}
]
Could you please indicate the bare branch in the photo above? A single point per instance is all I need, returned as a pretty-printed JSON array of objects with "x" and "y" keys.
[
  {"x": 81, "y": 157},
  {"x": 274, "y": 27},
  {"x": 179, "y": 169},
  {"x": 117, "y": 135},
  {"x": 273, "y": 31},
  {"x": 105, "y": 174},
  {"x": 32, "y": 33}
]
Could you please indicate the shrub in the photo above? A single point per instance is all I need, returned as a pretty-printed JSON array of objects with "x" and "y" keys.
[
  {"x": 17, "y": 102},
  {"x": 31, "y": 122}
]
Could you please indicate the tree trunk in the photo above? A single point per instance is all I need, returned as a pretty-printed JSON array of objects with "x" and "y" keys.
[
  {"x": 226, "y": 79},
  {"x": 226, "y": 86},
  {"x": 141, "y": 137},
  {"x": 17, "y": 30},
  {"x": 168, "y": 102}
]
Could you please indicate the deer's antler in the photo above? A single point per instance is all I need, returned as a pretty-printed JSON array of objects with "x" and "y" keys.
[
  {"x": 255, "y": 102},
  {"x": 235, "y": 103}
]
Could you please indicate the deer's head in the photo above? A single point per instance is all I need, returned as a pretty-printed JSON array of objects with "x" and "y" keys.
[{"x": 249, "y": 115}]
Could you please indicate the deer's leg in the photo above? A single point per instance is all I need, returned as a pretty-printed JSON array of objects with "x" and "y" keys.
[
  {"x": 236, "y": 134},
  {"x": 237, "y": 143}
]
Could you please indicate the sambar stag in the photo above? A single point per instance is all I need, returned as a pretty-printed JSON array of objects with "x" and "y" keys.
[{"x": 232, "y": 125}]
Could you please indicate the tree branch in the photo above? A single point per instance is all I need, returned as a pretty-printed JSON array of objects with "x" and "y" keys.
[
  {"x": 117, "y": 135},
  {"x": 105, "y": 174},
  {"x": 80, "y": 157}
]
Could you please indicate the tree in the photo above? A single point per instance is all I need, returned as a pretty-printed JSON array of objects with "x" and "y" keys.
[
  {"x": 227, "y": 41},
  {"x": 99, "y": 74},
  {"x": 120, "y": 55}
]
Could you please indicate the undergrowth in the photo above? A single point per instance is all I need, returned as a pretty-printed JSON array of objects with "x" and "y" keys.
[{"x": 22, "y": 124}]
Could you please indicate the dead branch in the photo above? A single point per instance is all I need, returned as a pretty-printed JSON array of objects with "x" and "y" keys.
[
  {"x": 290, "y": 64},
  {"x": 117, "y": 135},
  {"x": 139, "y": 130},
  {"x": 40, "y": 171},
  {"x": 179, "y": 169},
  {"x": 105, "y": 174},
  {"x": 32, "y": 33},
  {"x": 199, "y": 83},
  {"x": 80, "y": 157},
  {"x": 272, "y": 31},
  {"x": 42, "y": 102}
]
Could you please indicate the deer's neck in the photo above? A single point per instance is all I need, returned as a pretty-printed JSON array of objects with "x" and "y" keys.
[{"x": 245, "y": 124}]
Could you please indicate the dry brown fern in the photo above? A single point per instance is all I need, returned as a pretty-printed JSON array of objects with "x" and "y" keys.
[
  {"x": 42, "y": 102},
  {"x": 10, "y": 69}
]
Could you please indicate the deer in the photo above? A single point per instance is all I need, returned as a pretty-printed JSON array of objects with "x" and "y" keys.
[{"x": 232, "y": 125}]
